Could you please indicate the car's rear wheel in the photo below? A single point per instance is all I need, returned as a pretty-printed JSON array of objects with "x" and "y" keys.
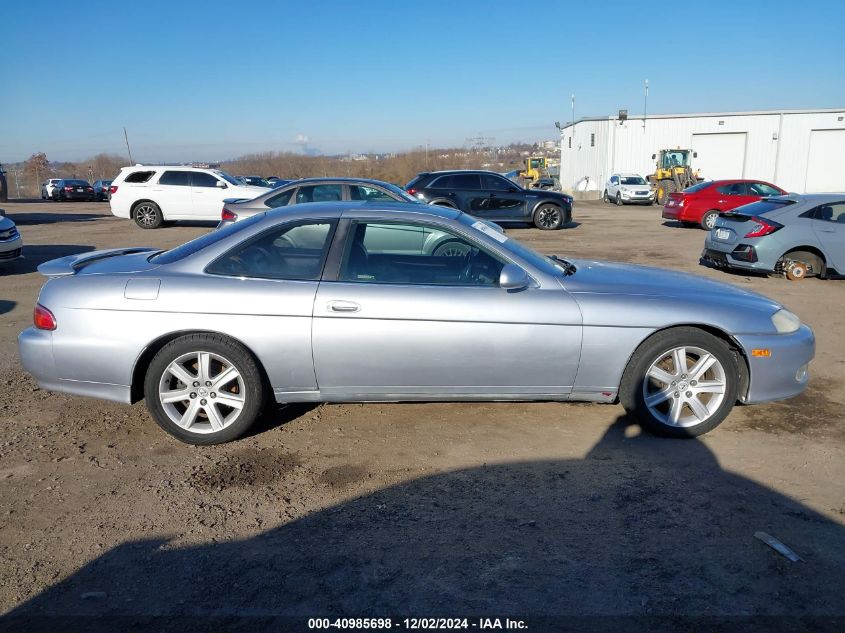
[
  {"x": 708, "y": 220},
  {"x": 548, "y": 217},
  {"x": 147, "y": 215},
  {"x": 681, "y": 382},
  {"x": 606, "y": 197},
  {"x": 452, "y": 248},
  {"x": 204, "y": 389}
]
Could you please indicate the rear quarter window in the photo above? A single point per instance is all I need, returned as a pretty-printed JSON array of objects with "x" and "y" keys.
[{"x": 139, "y": 176}]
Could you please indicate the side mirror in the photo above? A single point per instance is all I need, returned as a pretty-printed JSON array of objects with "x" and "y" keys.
[
  {"x": 653, "y": 156},
  {"x": 695, "y": 154},
  {"x": 220, "y": 184},
  {"x": 513, "y": 277}
]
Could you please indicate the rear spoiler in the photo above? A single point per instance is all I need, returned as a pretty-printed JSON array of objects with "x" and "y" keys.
[{"x": 69, "y": 265}]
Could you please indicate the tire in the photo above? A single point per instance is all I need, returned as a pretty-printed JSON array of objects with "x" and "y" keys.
[
  {"x": 245, "y": 391},
  {"x": 664, "y": 189},
  {"x": 605, "y": 197},
  {"x": 708, "y": 220},
  {"x": 452, "y": 248},
  {"x": 651, "y": 400},
  {"x": 548, "y": 217},
  {"x": 147, "y": 215},
  {"x": 619, "y": 200}
]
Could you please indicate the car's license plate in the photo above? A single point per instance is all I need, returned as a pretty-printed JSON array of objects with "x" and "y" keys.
[
  {"x": 722, "y": 234},
  {"x": 79, "y": 190}
]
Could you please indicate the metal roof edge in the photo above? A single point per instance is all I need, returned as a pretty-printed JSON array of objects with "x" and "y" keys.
[{"x": 704, "y": 114}]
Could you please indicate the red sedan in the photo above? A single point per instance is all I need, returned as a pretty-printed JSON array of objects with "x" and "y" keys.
[{"x": 702, "y": 203}]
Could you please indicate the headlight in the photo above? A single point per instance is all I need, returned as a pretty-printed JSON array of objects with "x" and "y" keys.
[{"x": 785, "y": 322}]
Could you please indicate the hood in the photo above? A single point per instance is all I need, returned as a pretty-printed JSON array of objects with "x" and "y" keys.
[{"x": 631, "y": 279}]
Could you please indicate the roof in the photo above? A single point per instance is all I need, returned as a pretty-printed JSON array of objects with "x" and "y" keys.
[
  {"x": 639, "y": 117},
  {"x": 318, "y": 209}
]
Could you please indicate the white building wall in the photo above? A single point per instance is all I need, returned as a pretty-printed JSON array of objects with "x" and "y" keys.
[{"x": 777, "y": 145}]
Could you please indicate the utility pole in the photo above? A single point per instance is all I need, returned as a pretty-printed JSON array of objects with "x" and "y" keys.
[
  {"x": 128, "y": 151},
  {"x": 645, "y": 103},
  {"x": 573, "y": 109},
  {"x": 17, "y": 184}
]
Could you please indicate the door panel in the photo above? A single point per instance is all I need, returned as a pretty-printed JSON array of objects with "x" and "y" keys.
[
  {"x": 172, "y": 193},
  {"x": 405, "y": 339},
  {"x": 207, "y": 196},
  {"x": 829, "y": 227}
]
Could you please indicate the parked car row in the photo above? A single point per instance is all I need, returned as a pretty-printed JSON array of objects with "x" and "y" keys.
[
  {"x": 11, "y": 243},
  {"x": 68, "y": 189}
]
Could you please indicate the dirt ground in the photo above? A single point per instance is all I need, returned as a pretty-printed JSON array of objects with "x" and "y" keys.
[{"x": 411, "y": 510}]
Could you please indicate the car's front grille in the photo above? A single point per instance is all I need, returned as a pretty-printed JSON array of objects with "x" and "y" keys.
[
  {"x": 8, "y": 234},
  {"x": 11, "y": 254}
]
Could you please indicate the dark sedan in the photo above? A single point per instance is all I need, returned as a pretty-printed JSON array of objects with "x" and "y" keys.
[
  {"x": 101, "y": 189},
  {"x": 68, "y": 189},
  {"x": 491, "y": 196}
]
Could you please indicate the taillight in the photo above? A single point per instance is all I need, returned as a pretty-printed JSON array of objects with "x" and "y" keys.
[
  {"x": 113, "y": 189},
  {"x": 68, "y": 188},
  {"x": 412, "y": 191},
  {"x": 42, "y": 318},
  {"x": 763, "y": 227},
  {"x": 228, "y": 216}
]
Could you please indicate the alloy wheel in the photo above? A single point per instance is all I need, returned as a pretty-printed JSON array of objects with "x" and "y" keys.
[
  {"x": 684, "y": 386},
  {"x": 548, "y": 217},
  {"x": 146, "y": 215},
  {"x": 202, "y": 392}
]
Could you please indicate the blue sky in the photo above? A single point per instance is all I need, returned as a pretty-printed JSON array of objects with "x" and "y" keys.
[{"x": 212, "y": 80}]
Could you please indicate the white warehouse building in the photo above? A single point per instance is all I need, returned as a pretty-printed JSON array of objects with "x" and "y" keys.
[{"x": 802, "y": 151}]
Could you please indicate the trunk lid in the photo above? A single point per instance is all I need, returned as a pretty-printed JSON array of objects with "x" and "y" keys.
[{"x": 116, "y": 260}]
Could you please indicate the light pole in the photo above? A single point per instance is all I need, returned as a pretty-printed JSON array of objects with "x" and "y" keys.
[{"x": 645, "y": 103}]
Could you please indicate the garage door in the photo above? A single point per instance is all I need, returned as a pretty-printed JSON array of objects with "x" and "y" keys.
[
  {"x": 719, "y": 155},
  {"x": 825, "y": 171}
]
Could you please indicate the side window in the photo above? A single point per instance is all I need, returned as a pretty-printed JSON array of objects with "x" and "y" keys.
[
  {"x": 288, "y": 252},
  {"x": 396, "y": 253},
  {"x": 139, "y": 176},
  {"x": 202, "y": 179},
  {"x": 444, "y": 182},
  {"x": 318, "y": 193},
  {"x": 833, "y": 212},
  {"x": 733, "y": 189},
  {"x": 279, "y": 200},
  {"x": 360, "y": 192},
  {"x": 180, "y": 178},
  {"x": 614, "y": 180},
  {"x": 466, "y": 181},
  {"x": 762, "y": 189},
  {"x": 495, "y": 183}
]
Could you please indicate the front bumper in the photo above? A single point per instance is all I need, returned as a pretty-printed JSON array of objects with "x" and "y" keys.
[
  {"x": 638, "y": 199},
  {"x": 784, "y": 372},
  {"x": 11, "y": 249}
]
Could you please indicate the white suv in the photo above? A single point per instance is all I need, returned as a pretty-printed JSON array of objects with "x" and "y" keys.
[
  {"x": 628, "y": 188},
  {"x": 152, "y": 194},
  {"x": 47, "y": 188}
]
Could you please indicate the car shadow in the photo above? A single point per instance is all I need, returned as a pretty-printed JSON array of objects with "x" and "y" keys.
[
  {"x": 35, "y": 218},
  {"x": 676, "y": 224},
  {"x": 275, "y": 415},
  {"x": 7, "y": 306},
  {"x": 640, "y": 527},
  {"x": 37, "y": 254}
]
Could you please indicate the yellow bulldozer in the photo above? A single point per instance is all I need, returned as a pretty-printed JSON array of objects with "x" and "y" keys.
[
  {"x": 673, "y": 172},
  {"x": 536, "y": 174}
]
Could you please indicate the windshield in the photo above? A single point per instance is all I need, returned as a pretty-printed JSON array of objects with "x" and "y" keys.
[
  {"x": 546, "y": 264},
  {"x": 633, "y": 180},
  {"x": 230, "y": 179},
  {"x": 204, "y": 241}
]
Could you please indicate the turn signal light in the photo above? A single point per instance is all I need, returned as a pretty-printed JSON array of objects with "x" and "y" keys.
[
  {"x": 43, "y": 319},
  {"x": 228, "y": 216},
  {"x": 761, "y": 353}
]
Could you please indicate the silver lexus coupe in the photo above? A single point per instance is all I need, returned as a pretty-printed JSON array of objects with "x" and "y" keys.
[{"x": 344, "y": 301}]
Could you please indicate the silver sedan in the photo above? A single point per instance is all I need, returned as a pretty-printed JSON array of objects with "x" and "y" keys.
[{"x": 348, "y": 301}]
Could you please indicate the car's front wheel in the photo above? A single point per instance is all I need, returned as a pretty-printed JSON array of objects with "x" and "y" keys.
[
  {"x": 548, "y": 217},
  {"x": 148, "y": 215},
  {"x": 681, "y": 382},
  {"x": 204, "y": 389},
  {"x": 618, "y": 199}
]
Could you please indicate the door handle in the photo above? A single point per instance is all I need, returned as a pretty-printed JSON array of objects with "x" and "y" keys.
[{"x": 343, "y": 306}]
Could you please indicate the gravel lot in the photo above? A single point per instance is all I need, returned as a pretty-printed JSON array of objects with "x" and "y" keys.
[{"x": 420, "y": 509}]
